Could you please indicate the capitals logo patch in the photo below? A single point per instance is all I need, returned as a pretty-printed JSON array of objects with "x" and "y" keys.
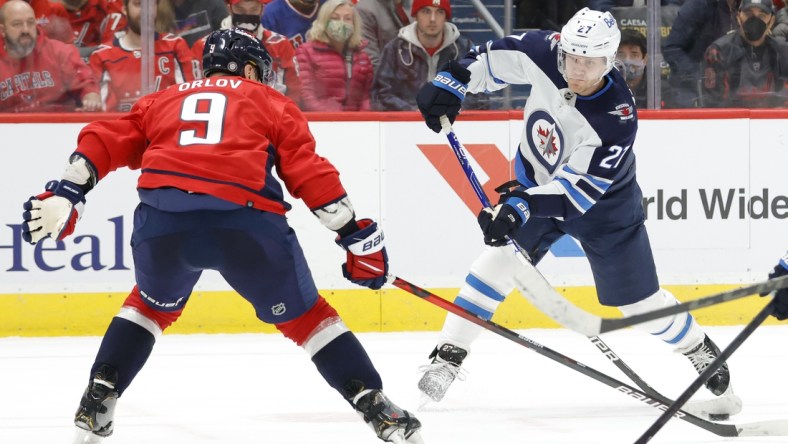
[
  {"x": 545, "y": 139},
  {"x": 625, "y": 111}
]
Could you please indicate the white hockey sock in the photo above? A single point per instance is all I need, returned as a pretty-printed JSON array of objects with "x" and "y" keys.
[
  {"x": 680, "y": 330},
  {"x": 486, "y": 286}
]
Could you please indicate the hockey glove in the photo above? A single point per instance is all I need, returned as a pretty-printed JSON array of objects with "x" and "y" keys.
[
  {"x": 781, "y": 296},
  {"x": 54, "y": 212},
  {"x": 505, "y": 219},
  {"x": 367, "y": 262},
  {"x": 444, "y": 95}
]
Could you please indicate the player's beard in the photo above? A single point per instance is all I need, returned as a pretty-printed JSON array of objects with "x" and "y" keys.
[
  {"x": 134, "y": 25},
  {"x": 22, "y": 45}
]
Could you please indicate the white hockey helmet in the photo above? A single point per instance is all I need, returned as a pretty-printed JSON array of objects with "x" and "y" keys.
[{"x": 590, "y": 33}]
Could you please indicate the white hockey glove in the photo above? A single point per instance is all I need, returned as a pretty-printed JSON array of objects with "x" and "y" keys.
[{"x": 54, "y": 212}]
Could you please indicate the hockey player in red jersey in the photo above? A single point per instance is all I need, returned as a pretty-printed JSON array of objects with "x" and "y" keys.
[
  {"x": 245, "y": 14},
  {"x": 117, "y": 66},
  {"x": 207, "y": 151},
  {"x": 38, "y": 73}
]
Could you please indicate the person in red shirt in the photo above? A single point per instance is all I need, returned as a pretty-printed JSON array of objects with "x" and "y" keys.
[
  {"x": 336, "y": 73},
  {"x": 38, "y": 73},
  {"x": 209, "y": 200},
  {"x": 52, "y": 18},
  {"x": 245, "y": 14},
  {"x": 117, "y": 66},
  {"x": 89, "y": 21}
]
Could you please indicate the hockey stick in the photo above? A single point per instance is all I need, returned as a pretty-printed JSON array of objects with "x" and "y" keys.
[
  {"x": 530, "y": 277},
  {"x": 764, "y": 428},
  {"x": 539, "y": 292},
  {"x": 713, "y": 367}
]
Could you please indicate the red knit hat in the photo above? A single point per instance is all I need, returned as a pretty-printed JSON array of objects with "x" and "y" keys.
[{"x": 443, "y": 4}]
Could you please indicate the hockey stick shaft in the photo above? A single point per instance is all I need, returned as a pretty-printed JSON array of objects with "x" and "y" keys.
[
  {"x": 701, "y": 379},
  {"x": 765, "y": 287},
  {"x": 654, "y": 400}
]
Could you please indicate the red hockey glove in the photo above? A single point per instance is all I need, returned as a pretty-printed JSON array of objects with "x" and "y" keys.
[
  {"x": 54, "y": 212},
  {"x": 367, "y": 262}
]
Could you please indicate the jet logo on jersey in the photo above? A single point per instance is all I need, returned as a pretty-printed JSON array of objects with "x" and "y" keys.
[
  {"x": 279, "y": 309},
  {"x": 623, "y": 111},
  {"x": 545, "y": 139}
]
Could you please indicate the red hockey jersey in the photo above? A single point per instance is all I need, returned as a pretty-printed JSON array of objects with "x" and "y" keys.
[
  {"x": 89, "y": 23},
  {"x": 118, "y": 70},
  {"x": 51, "y": 78},
  {"x": 281, "y": 51},
  {"x": 220, "y": 136}
]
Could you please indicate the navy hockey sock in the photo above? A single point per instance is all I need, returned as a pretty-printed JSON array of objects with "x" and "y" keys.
[
  {"x": 125, "y": 347},
  {"x": 345, "y": 365}
]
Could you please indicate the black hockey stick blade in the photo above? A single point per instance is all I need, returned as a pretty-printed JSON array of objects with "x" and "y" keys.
[
  {"x": 713, "y": 367},
  {"x": 655, "y": 400}
]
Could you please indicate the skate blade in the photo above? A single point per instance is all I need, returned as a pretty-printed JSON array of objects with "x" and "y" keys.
[
  {"x": 399, "y": 438},
  {"x": 86, "y": 437}
]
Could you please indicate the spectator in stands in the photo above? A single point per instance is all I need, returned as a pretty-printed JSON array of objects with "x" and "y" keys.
[
  {"x": 291, "y": 18},
  {"x": 195, "y": 19},
  {"x": 51, "y": 18},
  {"x": 698, "y": 23},
  {"x": 607, "y": 5},
  {"x": 747, "y": 68},
  {"x": 632, "y": 53},
  {"x": 245, "y": 14},
  {"x": 413, "y": 58},
  {"x": 546, "y": 14},
  {"x": 38, "y": 73},
  {"x": 88, "y": 22},
  {"x": 336, "y": 73},
  {"x": 781, "y": 28},
  {"x": 381, "y": 20},
  {"x": 117, "y": 65}
]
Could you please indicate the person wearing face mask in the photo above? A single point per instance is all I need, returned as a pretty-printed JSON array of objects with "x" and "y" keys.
[
  {"x": 39, "y": 74},
  {"x": 747, "y": 68},
  {"x": 697, "y": 25},
  {"x": 291, "y": 18},
  {"x": 245, "y": 14},
  {"x": 632, "y": 58},
  {"x": 336, "y": 73}
]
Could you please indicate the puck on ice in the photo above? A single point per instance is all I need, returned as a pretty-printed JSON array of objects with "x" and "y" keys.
[{"x": 719, "y": 416}]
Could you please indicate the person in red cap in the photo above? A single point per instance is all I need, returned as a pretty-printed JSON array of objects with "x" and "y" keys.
[
  {"x": 246, "y": 14},
  {"x": 412, "y": 59}
]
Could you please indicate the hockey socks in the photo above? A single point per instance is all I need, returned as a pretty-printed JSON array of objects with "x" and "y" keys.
[
  {"x": 346, "y": 367},
  {"x": 125, "y": 347}
]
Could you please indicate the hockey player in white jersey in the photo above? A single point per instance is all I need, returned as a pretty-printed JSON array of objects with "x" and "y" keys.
[{"x": 575, "y": 174}]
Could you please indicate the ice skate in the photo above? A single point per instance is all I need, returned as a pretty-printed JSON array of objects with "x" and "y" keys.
[
  {"x": 725, "y": 402},
  {"x": 439, "y": 374},
  {"x": 97, "y": 408},
  {"x": 390, "y": 423}
]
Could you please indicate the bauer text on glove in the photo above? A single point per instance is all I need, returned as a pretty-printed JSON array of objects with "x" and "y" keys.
[
  {"x": 503, "y": 221},
  {"x": 367, "y": 261},
  {"x": 443, "y": 96}
]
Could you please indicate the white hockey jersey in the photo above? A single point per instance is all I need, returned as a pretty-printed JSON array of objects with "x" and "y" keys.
[{"x": 573, "y": 148}]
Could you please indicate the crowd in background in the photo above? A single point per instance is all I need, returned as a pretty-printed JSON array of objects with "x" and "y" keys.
[{"x": 361, "y": 55}]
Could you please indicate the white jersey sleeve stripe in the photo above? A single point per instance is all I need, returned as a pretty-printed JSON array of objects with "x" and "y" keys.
[{"x": 575, "y": 195}]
